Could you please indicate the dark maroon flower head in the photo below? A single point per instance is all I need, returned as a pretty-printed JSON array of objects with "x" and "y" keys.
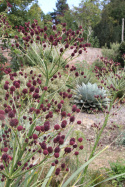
[
  {"x": 24, "y": 91},
  {"x": 5, "y": 157},
  {"x": 35, "y": 136},
  {"x": 20, "y": 128},
  {"x": 80, "y": 27},
  {"x": 2, "y": 112},
  {"x": 14, "y": 122},
  {"x": 38, "y": 128},
  {"x": 34, "y": 82},
  {"x": 63, "y": 114},
  {"x": 72, "y": 141},
  {"x": 54, "y": 27},
  {"x": 64, "y": 123},
  {"x": 5, "y": 149},
  {"x": 37, "y": 38},
  {"x": 43, "y": 145},
  {"x": 50, "y": 149},
  {"x": 76, "y": 153},
  {"x": 24, "y": 117},
  {"x": 81, "y": 147},
  {"x": 80, "y": 51},
  {"x": 51, "y": 38},
  {"x": 16, "y": 37},
  {"x": 77, "y": 32},
  {"x": 37, "y": 111},
  {"x": 56, "y": 155},
  {"x": 6, "y": 86},
  {"x": 35, "y": 95},
  {"x": 72, "y": 54},
  {"x": 53, "y": 164},
  {"x": 72, "y": 119},
  {"x": 28, "y": 84},
  {"x": 80, "y": 139},
  {"x": 68, "y": 150},
  {"x": 32, "y": 88},
  {"x": 66, "y": 46},
  {"x": 32, "y": 33},
  {"x": 82, "y": 73},
  {"x": 61, "y": 141},
  {"x": 64, "y": 24},
  {"x": 59, "y": 106},
  {"x": 78, "y": 110},
  {"x": 45, "y": 152},
  {"x": 57, "y": 149},
  {"x": 56, "y": 127},
  {"x": 11, "y": 114},
  {"x": 17, "y": 45},
  {"x": 12, "y": 88},
  {"x": 78, "y": 122},
  {"x": 46, "y": 125},
  {"x": 63, "y": 165},
  {"x": 61, "y": 50},
  {"x": 74, "y": 108},
  {"x": 45, "y": 88},
  {"x": 16, "y": 84},
  {"x": 37, "y": 90}
]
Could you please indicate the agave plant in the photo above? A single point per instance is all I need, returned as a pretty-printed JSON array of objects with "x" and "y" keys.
[{"x": 89, "y": 96}]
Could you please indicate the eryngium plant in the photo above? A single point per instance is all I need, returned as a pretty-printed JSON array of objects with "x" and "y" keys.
[{"x": 90, "y": 96}]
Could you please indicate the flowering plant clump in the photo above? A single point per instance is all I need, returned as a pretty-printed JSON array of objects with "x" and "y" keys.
[
  {"x": 28, "y": 132},
  {"x": 34, "y": 38},
  {"x": 112, "y": 78}
]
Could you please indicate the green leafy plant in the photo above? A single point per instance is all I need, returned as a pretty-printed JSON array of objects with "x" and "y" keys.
[
  {"x": 90, "y": 96},
  {"x": 120, "y": 54},
  {"x": 115, "y": 82},
  {"x": 118, "y": 168},
  {"x": 111, "y": 53}
]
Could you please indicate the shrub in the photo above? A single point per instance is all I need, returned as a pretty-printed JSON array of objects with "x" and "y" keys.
[
  {"x": 121, "y": 51},
  {"x": 111, "y": 53}
]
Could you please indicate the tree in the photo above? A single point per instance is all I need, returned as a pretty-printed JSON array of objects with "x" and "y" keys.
[
  {"x": 109, "y": 28},
  {"x": 88, "y": 14},
  {"x": 61, "y": 8},
  {"x": 35, "y": 12},
  {"x": 16, "y": 10},
  {"x": 69, "y": 19}
]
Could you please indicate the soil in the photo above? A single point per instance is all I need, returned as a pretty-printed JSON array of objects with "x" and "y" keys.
[{"x": 111, "y": 135}]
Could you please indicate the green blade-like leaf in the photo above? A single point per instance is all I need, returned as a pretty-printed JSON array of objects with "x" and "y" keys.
[
  {"x": 48, "y": 176},
  {"x": 81, "y": 168},
  {"x": 110, "y": 178}
]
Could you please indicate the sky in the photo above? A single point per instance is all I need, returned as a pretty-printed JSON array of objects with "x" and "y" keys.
[{"x": 49, "y": 5}]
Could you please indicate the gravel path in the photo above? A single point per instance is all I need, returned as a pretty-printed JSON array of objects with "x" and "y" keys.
[{"x": 117, "y": 118}]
